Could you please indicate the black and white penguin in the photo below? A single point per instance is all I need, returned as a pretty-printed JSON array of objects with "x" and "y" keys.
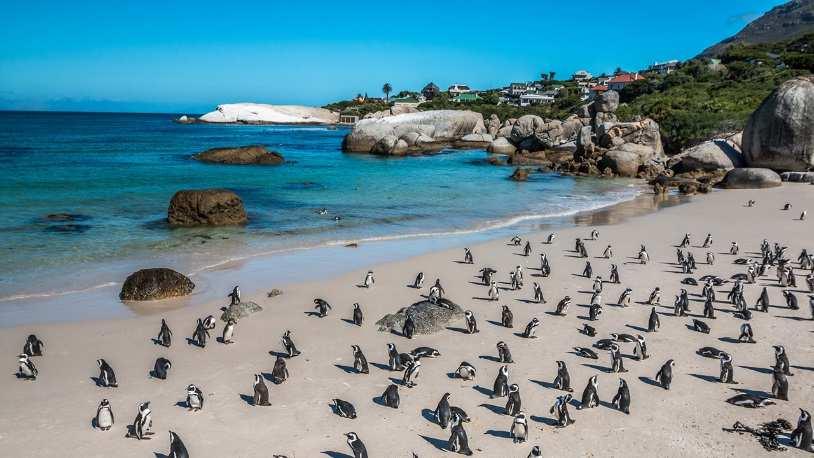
[
  {"x": 234, "y": 296},
  {"x": 625, "y": 297},
  {"x": 563, "y": 379},
  {"x": 709, "y": 352},
  {"x": 520, "y": 428},
  {"x": 261, "y": 392},
  {"x": 617, "y": 363},
  {"x": 164, "y": 337},
  {"x": 791, "y": 300},
  {"x": 653, "y": 322},
  {"x": 443, "y": 413},
  {"x": 640, "y": 350},
  {"x": 622, "y": 399},
  {"x": 466, "y": 371},
  {"x": 279, "y": 373},
  {"x": 228, "y": 332},
  {"x": 359, "y": 360},
  {"x": 507, "y": 317},
  {"x": 746, "y": 335},
  {"x": 780, "y": 384},
  {"x": 177, "y": 448},
  {"x": 531, "y": 328},
  {"x": 538, "y": 294},
  {"x": 344, "y": 408},
  {"x": 322, "y": 307},
  {"x": 781, "y": 360},
  {"x": 494, "y": 293},
  {"x": 195, "y": 399},
  {"x": 709, "y": 309},
  {"x": 700, "y": 326},
  {"x": 356, "y": 445},
  {"x": 535, "y": 452},
  {"x": 595, "y": 308},
  {"x": 369, "y": 279},
  {"x": 471, "y": 323},
  {"x": 622, "y": 337},
  {"x": 588, "y": 330},
  {"x": 143, "y": 422},
  {"x": 104, "y": 416},
  {"x": 106, "y": 375},
  {"x": 588, "y": 271},
  {"x": 762, "y": 304},
  {"x": 458, "y": 441},
  {"x": 586, "y": 352},
  {"x": 411, "y": 373},
  {"x": 590, "y": 395},
  {"x": 393, "y": 359},
  {"x": 409, "y": 327},
  {"x": 655, "y": 297},
  {"x": 605, "y": 344},
  {"x": 504, "y": 355},
  {"x": 802, "y": 435},
  {"x": 750, "y": 401},
  {"x": 562, "y": 306},
  {"x": 288, "y": 344},
  {"x": 200, "y": 334},
  {"x": 358, "y": 317},
  {"x": 209, "y": 323},
  {"x": 727, "y": 371},
  {"x": 665, "y": 374},
  {"x": 550, "y": 239},
  {"x": 468, "y": 259},
  {"x": 161, "y": 368},
  {"x": 419, "y": 281},
  {"x": 513, "y": 403},
  {"x": 26, "y": 369},
  {"x": 501, "y": 386},
  {"x": 560, "y": 407},
  {"x": 33, "y": 346},
  {"x": 424, "y": 352},
  {"x": 390, "y": 397}
]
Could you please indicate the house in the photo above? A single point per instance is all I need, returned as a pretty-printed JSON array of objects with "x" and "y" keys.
[
  {"x": 537, "y": 99},
  {"x": 430, "y": 91},
  {"x": 518, "y": 89},
  {"x": 466, "y": 97},
  {"x": 664, "y": 68},
  {"x": 598, "y": 90},
  {"x": 458, "y": 89},
  {"x": 581, "y": 76},
  {"x": 618, "y": 82},
  {"x": 408, "y": 101}
]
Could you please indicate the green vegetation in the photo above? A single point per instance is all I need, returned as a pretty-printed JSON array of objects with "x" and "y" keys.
[{"x": 358, "y": 106}]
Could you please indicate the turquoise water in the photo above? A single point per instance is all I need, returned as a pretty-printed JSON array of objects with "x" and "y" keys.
[{"x": 117, "y": 173}]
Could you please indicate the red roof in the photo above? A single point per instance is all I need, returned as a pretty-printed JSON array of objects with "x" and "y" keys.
[
  {"x": 599, "y": 88},
  {"x": 626, "y": 78}
]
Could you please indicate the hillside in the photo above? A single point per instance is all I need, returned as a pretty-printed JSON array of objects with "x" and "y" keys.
[{"x": 785, "y": 22}]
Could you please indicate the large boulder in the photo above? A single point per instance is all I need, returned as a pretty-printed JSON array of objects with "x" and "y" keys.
[
  {"x": 520, "y": 174},
  {"x": 751, "y": 178},
  {"x": 392, "y": 111},
  {"x": 798, "y": 177},
  {"x": 443, "y": 126},
  {"x": 626, "y": 159},
  {"x": 240, "y": 310},
  {"x": 585, "y": 143},
  {"x": 607, "y": 102},
  {"x": 243, "y": 155},
  {"x": 645, "y": 132},
  {"x": 534, "y": 133},
  {"x": 259, "y": 113},
  {"x": 205, "y": 207},
  {"x": 493, "y": 125},
  {"x": 428, "y": 317},
  {"x": 706, "y": 157},
  {"x": 154, "y": 284},
  {"x": 780, "y": 133},
  {"x": 501, "y": 145}
]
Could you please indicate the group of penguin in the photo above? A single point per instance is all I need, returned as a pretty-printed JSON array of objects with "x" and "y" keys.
[{"x": 453, "y": 417}]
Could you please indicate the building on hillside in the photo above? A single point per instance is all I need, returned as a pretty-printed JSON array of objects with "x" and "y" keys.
[
  {"x": 537, "y": 99},
  {"x": 518, "y": 89},
  {"x": 597, "y": 90},
  {"x": 618, "y": 82},
  {"x": 458, "y": 89},
  {"x": 430, "y": 91},
  {"x": 466, "y": 97},
  {"x": 408, "y": 101},
  {"x": 663, "y": 68},
  {"x": 581, "y": 76}
]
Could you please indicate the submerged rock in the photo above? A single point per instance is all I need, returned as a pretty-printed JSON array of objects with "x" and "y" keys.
[
  {"x": 240, "y": 310},
  {"x": 428, "y": 317},
  {"x": 243, "y": 155},
  {"x": 520, "y": 174},
  {"x": 206, "y": 207},
  {"x": 154, "y": 284}
]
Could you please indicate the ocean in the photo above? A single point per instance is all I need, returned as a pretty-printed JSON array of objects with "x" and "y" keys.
[{"x": 115, "y": 174}]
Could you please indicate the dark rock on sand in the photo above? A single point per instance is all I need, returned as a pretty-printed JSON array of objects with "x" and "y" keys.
[
  {"x": 798, "y": 177},
  {"x": 240, "y": 310},
  {"x": 153, "y": 284},
  {"x": 428, "y": 317},
  {"x": 206, "y": 207},
  {"x": 243, "y": 155},
  {"x": 751, "y": 178}
]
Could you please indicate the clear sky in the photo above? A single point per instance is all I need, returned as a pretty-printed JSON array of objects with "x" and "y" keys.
[{"x": 188, "y": 56}]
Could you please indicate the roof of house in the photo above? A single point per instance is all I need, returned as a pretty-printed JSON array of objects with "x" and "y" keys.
[
  {"x": 459, "y": 87},
  {"x": 626, "y": 78},
  {"x": 430, "y": 87},
  {"x": 466, "y": 97},
  {"x": 599, "y": 88}
]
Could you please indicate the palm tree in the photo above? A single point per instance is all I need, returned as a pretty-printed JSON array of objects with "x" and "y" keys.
[{"x": 387, "y": 88}]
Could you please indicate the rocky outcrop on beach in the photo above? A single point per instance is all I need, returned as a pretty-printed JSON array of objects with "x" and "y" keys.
[
  {"x": 493, "y": 125},
  {"x": 240, "y": 310},
  {"x": 780, "y": 134},
  {"x": 154, "y": 284},
  {"x": 429, "y": 318},
  {"x": 534, "y": 133},
  {"x": 413, "y": 133},
  {"x": 243, "y": 155},
  {"x": 184, "y": 119},
  {"x": 392, "y": 111},
  {"x": 206, "y": 207},
  {"x": 706, "y": 157},
  {"x": 258, "y": 113},
  {"x": 751, "y": 178},
  {"x": 798, "y": 177},
  {"x": 501, "y": 145}
]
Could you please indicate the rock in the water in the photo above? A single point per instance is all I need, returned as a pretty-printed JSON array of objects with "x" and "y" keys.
[
  {"x": 751, "y": 178},
  {"x": 476, "y": 138},
  {"x": 607, "y": 102},
  {"x": 708, "y": 156},
  {"x": 240, "y": 310},
  {"x": 206, "y": 207},
  {"x": 520, "y": 174},
  {"x": 798, "y": 177},
  {"x": 534, "y": 133},
  {"x": 780, "y": 133},
  {"x": 184, "y": 119},
  {"x": 243, "y": 155},
  {"x": 153, "y": 284},
  {"x": 501, "y": 146},
  {"x": 428, "y": 317}
]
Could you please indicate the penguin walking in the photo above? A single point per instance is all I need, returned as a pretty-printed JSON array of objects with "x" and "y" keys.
[
  {"x": 550, "y": 239},
  {"x": 261, "y": 392},
  {"x": 507, "y": 317},
  {"x": 560, "y": 407},
  {"x": 762, "y": 304},
  {"x": 164, "y": 335},
  {"x": 791, "y": 300},
  {"x": 411, "y": 373},
  {"x": 527, "y": 249},
  {"x": 608, "y": 252},
  {"x": 322, "y": 307},
  {"x": 33, "y": 346},
  {"x": 107, "y": 377},
  {"x": 538, "y": 294},
  {"x": 359, "y": 360},
  {"x": 665, "y": 374},
  {"x": 228, "y": 332},
  {"x": 200, "y": 334},
  {"x": 177, "y": 448},
  {"x": 161, "y": 368},
  {"x": 288, "y": 344},
  {"x": 780, "y": 384},
  {"x": 26, "y": 369},
  {"x": 369, "y": 279},
  {"x": 802, "y": 435},
  {"x": 466, "y": 371},
  {"x": 707, "y": 241},
  {"x": 419, "y": 281},
  {"x": 727, "y": 371},
  {"x": 356, "y": 445},
  {"x": 468, "y": 259},
  {"x": 622, "y": 399},
  {"x": 594, "y": 234},
  {"x": 709, "y": 310},
  {"x": 143, "y": 422},
  {"x": 514, "y": 403},
  {"x": 471, "y": 323},
  {"x": 104, "y": 416},
  {"x": 390, "y": 397},
  {"x": 746, "y": 335},
  {"x": 653, "y": 322},
  {"x": 562, "y": 306},
  {"x": 803, "y": 215},
  {"x": 279, "y": 373},
  {"x": 234, "y": 296},
  {"x": 501, "y": 386},
  {"x": 494, "y": 293},
  {"x": 531, "y": 329},
  {"x": 409, "y": 327},
  {"x": 195, "y": 399},
  {"x": 590, "y": 395},
  {"x": 563, "y": 379},
  {"x": 344, "y": 408},
  {"x": 503, "y": 353},
  {"x": 520, "y": 428},
  {"x": 443, "y": 413},
  {"x": 588, "y": 271},
  {"x": 357, "y": 314},
  {"x": 614, "y": 274},
  {"x": 710, "y": 258}
]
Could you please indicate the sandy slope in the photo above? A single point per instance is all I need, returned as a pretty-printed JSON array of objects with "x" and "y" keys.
[{"x": 52, "y": 416}]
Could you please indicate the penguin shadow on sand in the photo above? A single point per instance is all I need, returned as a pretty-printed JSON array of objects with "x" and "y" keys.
[
  {"x": 191, "y": 341},
  {"x": 649, "y": 381},
  {"x": 762, "y": 370},
  {"x": 336, "y": 454},
  {"x": 440, "y": 444},
  {"x": 495, "y": 409},
  {"x": 757, "y": 393},
  {"x": 482, "y": 390},
  {"x": 277, "y": 354},
  {"x": 457, "y": 329},
  {"x": 496, "y": 323},
  {"x": 498, "y": 433},
  {"x": 599, "y": 368},
  {"x": 380, "y": 366},
  {"x": 160, "y": 455},
  {"x": 802, "y": 368},
  {"x": 248, "y": 399},
  {"x": 346, "y": 369},
  {"x": 429, "y": 415},
  {"x": 540, "y": 419},
  {"x": 491, "y": 358},
  {"x": 729, "y": 340},
  {"x": 706, "y": 378},
  {"x": 350, "y": 322},
  {"x": 636, "y": 328},
  {"x": 543, "y": 383}
]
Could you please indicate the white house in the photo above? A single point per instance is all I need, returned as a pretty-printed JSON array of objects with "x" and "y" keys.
[
  {"x": 581, "y": 76},
  {"x": 536, "y": 99},
  {"x": 664, "y": 68},
  {"x": 458, "y": 89}
]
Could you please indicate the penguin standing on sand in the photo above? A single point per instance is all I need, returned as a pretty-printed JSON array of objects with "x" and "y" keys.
[
  {"x": 195, "y": 399},
  {"x": 535, "y": 452},
  {"x": 411, "y": 372},
  {"x": 562, "y": 306},
  {"x": 104, "y": 416},
  {"x": 279, "y": 373},
  {"x": 458, "y": 441},
  {"x": 595, "y": 308},
  {"x": 531, "y": 328},
  {"x": 200, "y": 334},
  {"x": 617, "y": 363},
  {"x": 164, "y": 335},
  {"x": 727, "y": 373},
  {"x": 590, "y": 395},
  {"x": 261, "y": 392},
  {"x": 561, "y": 408},
  {"x": 359, "y": 360},
  {"x": 644, "y": 258},
  {"x": 143, "y": 421},
  {"x": 390, "y": 397},
  {"x": 419, "y": 281},
  {"x": 468, "y": 259},
  {"x": 762, "y": 304},
  {"x": 710, "y": 258},
  {"x": 588, "y": 271},
  {"x": 501, "y": 386},
  {"x": 622, "y": 399},
  {"x": 709, "y": 310},
  {"x": 369, "y": 279},
  {"x": 791, "y": 300},
  {"x": 288, "y": 344},
  {"x": 471, "y": 323},
  {"x": 707, "y": 241},
  {"x": 235, "y": 295},
  {"x": 161, "y": 368},
  {"x": 513, "y": 403},
  {"x": 507, "y": 317},
  {"x": 356, "y": 445},
  {"x": 494, "y": 293},
  {"x": 33, "y": 346},
  {"x": 563, "y": 379},
  {"x": 393, "y": 359},
  {"x": 653, "y": 322},
  {"x": 640, "y": 350},
  {"x": 655, "y": 297},
  {"x": 357, "y": 314},
  {"x": 608, "y": 252},
  {"x": 614, "y": 274},
  {"x": 409, "y": 327},
  {"x": 26, "y": 369},
  {"x": 802, "y": 435},
  {"x": 665, "y": 374},
  {"x": 228, "y": 331},
  {"x": 624, "y": 299},
  {"x": 527, "y": 249},
  {"x": 538, "y": 294},
  {"x": 550, "y": 239},
  {"x": 685, "y": 242},
  {"x": 106, "y": 375},
  {"x": 503, "y": 353},
  {"x": 209, "y": 323},
  {"x": 520, "y": 428},
  {"x": 803, "y": 215},
  {"x": 780, "y": 385},
  {"x": 747, "y": 335},
  {"x": 177, "y": 448},
  {"x": 443, "y": 413},
  {"x": 322, "y": 307},
  {"x": 781, "y": 360}
]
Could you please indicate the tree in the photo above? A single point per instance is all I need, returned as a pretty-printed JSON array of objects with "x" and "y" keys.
[
  {"x": 551, "y": 75},
  {"x": 387, "y": 88}
]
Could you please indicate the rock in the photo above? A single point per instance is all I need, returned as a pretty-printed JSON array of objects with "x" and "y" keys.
[
  {"x": 798, "y": 177},
  {"x": 520, "y": 174},
  {"x": 275, "y": 292},
  {"x": 751, "y": 178},
  {"x": 240, "y": 310},
  {"x": 493, "y": 125},
  {"x": 428, "y": 317},
  {"x": 505, "y": 132},
  {"x": 258, "y": 113},
  {"x": 584, "y": 111},
  {"x": 533, "y": 133},
  {"x": 244, "y": 155},
  {"x": 442, "y": 126},
  {"x": 780, "y": 133},
  {"x": 585, "y": 143},
  {"x": 688, "y": 188},
  {"x": 571, "y": 128},
  {"x": 184, "y": 119},
  {"x": 626, "y": 159},
  {"x": 206, "y": 207},
  {"x": 526, "y": 158},
  {"x": 501, "y": 145},
  {"x": 474, "y": 140},
  {"x": 707, "y": 156},
  {"x": 154, "y": 284},
  {"x": 392, "y": 111},
  {"x": 607, "y": 102},
  {"x": 645, "y": 132},
  {"x": 602, "y": 118},
  {"x": 737, "y": 141}
]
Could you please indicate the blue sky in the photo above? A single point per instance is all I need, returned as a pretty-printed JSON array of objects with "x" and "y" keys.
[{"x": 188, "y": 56}]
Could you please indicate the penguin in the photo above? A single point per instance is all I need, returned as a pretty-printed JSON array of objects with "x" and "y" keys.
[
  {"x": 594, "y": 234},
  {"x": 595, "y": 309},
  {"x": 655, "y": 297},
  {"x": 561, "y": 408},
  {"x": 563, "y": 379},
  {"x": 538, "y": 294},
  {"x": 640, "y": 350},
  {"x": 33, "y": 346},
  {"x": 195, "y": 399},
  {"x": 531, "y": 328},
  {"x": 143, "y": 422},
  {"x": 460, "y": 413},
  {"x": 177, "y": 448},
  {"x": 605, "y": 344},
  {"x": 727, "y": 374},
  {"x": 614, "y": 274},
  {"x": 494, "y": 293},
  {"x": 164, "y": 335},
  {"x": 513, "y": 403},
  {"x": 653, "y": 322},
  {"x": 409, "y": 327},
  {"x": 390, "y": 397},
  {"x": 710, "y": 258},
  {"x": 356, "y": 445},
  {"x": 357, "y": 314},
  {"x": 507, "y": 317},
  {"x": 535, "y": 452},
  {"x": 644, "y": 258},
  {"x": 608, "y": 252},
  {"x": 466, "y": 371},
  {"x": 468, "y": 259},
  {"x": 519, "y": 429},
  {"x": 516, "y": 240},
  {"x": 279, "y": 373},
  {"x": 588, "y": 271},
  {"x": 228, "y": 332},
  {"x": 586, "y": 352},
  {"x": 802, "y": 435},
  {"x": 411, "y": 373},
  {"x": 624, "y": 299},
  {"x": 322, "y": 307},
  {"x": 527, "y": 249},
  {"x": 261, "y": 392},
  {"x": 588, "y": 330},
  {"x": 665, "y": 374},
  {"x": 747, "y": 335},
  {"x": 344, "y": 408},
  {"x": 685, "y": 242},
  {"x": 707, "y": 241},
  {"x": 161, "y": 367},
  {"x": 791, "y": 300},
  {"x": 26, "y": 370},
  {"x": 700, "y": 326},
  {"x": 458, "y": 441},
  {"x": 750, "y": 401},
  {"x": 622, "y": 399},
  {"x": 501, "y": 386},
  {"x": 590, "y": 395},
  {"x": 234, "y": 296},
  {"x": 562, "y": 306},
  {"x": 424, "y": 352},
  {"x": 104, "y": 416},
  {"x": 803, "y": 215},
  {"x": 393, "y": 359},
  {"x": 503, "y": 353},
  {"x": 106, "y": 375},
  {"x": 288, "y": 344},
  {"x": 709, "y": 310},
  {"x": 781, "y": 360},
  {"x": 419, "y": 281},
  {"x": 762, "y": 304},
  {"x": 443, "y": 413},
  {"x": 550, "y": 239},
  {"x": 709, "y": 352},
  {"x": 780, "y": 384},
  {"x": 369, "y": 279},
  {"x": 359, "y": 360},
  {"x": 471, "y": 323},
  {"x": 617, "y": 363},
  {"x": 787, "y": 206},
  {"x": 200, "y": 334}
]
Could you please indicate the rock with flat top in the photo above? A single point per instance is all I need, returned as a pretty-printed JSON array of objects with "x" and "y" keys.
[
  {"x": 707, "y": 156},
  {"x": 243, "y": 155},
  {"x": 429, "y": 318},
  {"x": 206, "y": 207},
  {"x": 240, "y": 310},
  {"x": 155, "y": 284},
  {"x": 751, "y": 178}
]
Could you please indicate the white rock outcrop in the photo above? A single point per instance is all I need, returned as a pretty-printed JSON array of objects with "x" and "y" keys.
[{"x": 258, "y": 113}]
